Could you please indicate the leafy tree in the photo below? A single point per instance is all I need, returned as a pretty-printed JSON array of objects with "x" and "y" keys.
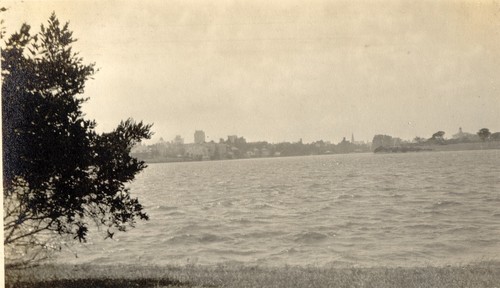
[
  {"x": 419, "y": 140},
  {"x": 59, "y": 174},
  {"x": 382, "y": 140},
  {"x": 438, "y": 137},
  {"x": 495, "y": 136},
  {"x": 484, "y": 134}
]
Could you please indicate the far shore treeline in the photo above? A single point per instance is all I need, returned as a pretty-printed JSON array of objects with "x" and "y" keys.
[{"x": 235, "y": 147}]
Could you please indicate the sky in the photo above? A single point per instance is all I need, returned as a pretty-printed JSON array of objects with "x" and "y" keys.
[{"x": 285, "y": 70}]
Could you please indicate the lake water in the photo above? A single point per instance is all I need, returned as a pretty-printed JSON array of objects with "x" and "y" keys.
[{"x": 428, "y": 208}]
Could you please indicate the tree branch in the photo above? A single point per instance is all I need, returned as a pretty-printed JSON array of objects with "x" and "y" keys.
[{"x": 10, "y": 240}]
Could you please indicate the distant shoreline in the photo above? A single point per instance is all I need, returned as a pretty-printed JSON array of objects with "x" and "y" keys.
[
  {"x": 444, "y": 147},
  {"x": 389, "y": 150}
]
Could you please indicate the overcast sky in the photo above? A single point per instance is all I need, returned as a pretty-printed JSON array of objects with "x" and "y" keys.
[{"x": 284, "y": 70}]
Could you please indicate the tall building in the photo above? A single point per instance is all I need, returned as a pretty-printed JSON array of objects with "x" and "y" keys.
[{"x": 199, "y": 137}]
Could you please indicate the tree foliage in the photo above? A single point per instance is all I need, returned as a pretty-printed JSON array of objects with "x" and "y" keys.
[
  {"x": 419, "y": 140},
  {"x": 382, "y": 141},
  {"x": 484, "y": 134},
  {"x": 438, "y": 137},
  {"x": 59, "y": 173},
  {"x": 495, "y": 136}
]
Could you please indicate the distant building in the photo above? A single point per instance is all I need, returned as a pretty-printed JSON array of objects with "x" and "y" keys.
[
  {"x": 232, "y": 138},
  {"x": 199, "y": 137},
  {"x": 465, "y": 137},
  {"x": 459, "y": 135},
  {"x": 197, "y": 152},
  {"x": 178, "y": 140}
]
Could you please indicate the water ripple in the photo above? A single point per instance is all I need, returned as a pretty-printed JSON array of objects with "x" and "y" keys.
[{"x": 356, "y": 209}]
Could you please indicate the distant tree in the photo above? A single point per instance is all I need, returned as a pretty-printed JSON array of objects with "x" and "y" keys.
[
  {"x": 382, "y": 140},
  {"x": 241, "y": 141},
  {"x": 484, "y": 134},
  {"x": 419, "y": 140},
  {"x": 59, "y": 174},
  {"x": 495, "y": 136},
  {"x": 438, "y": 137},
  {"x": 216, "y": 155}
]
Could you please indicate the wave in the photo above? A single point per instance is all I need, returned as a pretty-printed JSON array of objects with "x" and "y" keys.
[
  {"x": 445, "y": 204},
  {"x": 263, "y": 234},
  {"x": 237, "y": 252},
  {"x": 287, "y": 251},
  {"x": 182, "y": 239},
  {"x": 263, "y": 206},
  {"x": 192, "y": 239},
  {"x": 308, "y": 237},
  {"x": 165, "y": 208},
  {"x": 175, "y": 213},
  {"x": 422, "y": 227},
  {"x": 433, "y": 212},
  {"x": 211, "y": 238},
  {"x": 316, "y": 186},
  {"x": 347, "y": 196},
  {"x": 247, "y": 221},
  {"x": 277, "y": 187}
]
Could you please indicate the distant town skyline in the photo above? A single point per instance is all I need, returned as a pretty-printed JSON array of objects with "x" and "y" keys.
[
  {"x": 285, "y": 70},
  {"x": 199, "y": 136}
]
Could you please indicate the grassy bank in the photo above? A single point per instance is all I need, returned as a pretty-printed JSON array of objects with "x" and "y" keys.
[{"x": 484, "y": 274}]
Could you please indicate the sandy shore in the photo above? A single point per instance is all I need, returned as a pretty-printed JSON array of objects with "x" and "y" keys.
[{"x": 482, "y": 274}]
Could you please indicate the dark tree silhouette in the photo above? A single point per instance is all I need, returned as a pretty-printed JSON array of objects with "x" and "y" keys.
[
  {"x": 59, "y": 174},
  {"x": 484, "y": 134},
  {"x": 438, "y": 137}
]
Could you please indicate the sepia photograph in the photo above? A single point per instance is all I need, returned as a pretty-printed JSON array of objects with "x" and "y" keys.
[{"x": 256, "y": 143}]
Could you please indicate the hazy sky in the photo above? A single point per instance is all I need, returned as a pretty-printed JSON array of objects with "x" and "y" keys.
[{"x": 284, "y": 70}]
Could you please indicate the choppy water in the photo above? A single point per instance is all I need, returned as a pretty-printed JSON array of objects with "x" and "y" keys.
[{"x": 433, "y": 208}]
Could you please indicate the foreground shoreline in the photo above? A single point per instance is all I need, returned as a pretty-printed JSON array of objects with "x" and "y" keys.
[{"x": 480, "y": 274}]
